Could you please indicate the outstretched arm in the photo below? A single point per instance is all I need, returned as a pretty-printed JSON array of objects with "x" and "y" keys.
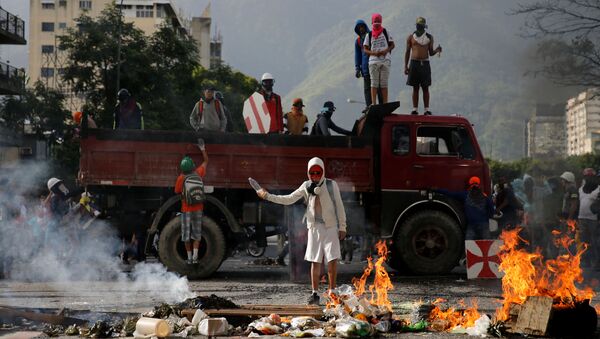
[{"x": 338, "y": 129}]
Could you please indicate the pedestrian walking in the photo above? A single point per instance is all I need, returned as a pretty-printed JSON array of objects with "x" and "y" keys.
[
  {"x": 419, "y": 47},
  {"x": 325, "y": 219},
  {"x": 190, "y": 186},
  {"x": 378, "y": 45}
]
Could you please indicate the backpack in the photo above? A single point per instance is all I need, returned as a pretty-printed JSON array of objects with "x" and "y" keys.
[
  {"x": 201, "y": 108},
  {"x": 385, "y": 33},
  {"x": 193, "y": 189}
]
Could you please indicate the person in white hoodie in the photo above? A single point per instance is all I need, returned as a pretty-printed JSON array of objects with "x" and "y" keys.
[{"x": 325, "y": 218}]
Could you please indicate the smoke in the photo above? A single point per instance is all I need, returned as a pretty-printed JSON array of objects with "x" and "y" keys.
[{"x": 35, "y": 248}]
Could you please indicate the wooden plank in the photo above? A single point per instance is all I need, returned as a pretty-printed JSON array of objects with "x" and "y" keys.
[
  {"x": 534, "y": 316},
  {"x": 55, "y": 319}
]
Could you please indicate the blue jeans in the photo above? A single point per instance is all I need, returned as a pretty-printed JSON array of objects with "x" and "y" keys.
[{"x": 478, "y": 231}]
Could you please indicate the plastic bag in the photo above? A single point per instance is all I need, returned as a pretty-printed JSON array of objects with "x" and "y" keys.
[
  {"x": 383, "y": 326},
  {"x": 304, "y": 323},
  {"x": 481, "y": 326},
  {"x": 213, "y": 327},
  {"x": 265, "y": 326},
  {"x": 350, "y": 327}
]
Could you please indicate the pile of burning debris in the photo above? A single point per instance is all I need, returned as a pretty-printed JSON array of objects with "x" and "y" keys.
[{"x": 540, "y": 297}]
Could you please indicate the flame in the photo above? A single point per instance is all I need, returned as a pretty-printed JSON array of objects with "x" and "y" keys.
[
  {"x": 528, "y": 274},
  {"x": 359, "y": 284},
  {"x": 446, "y": 320},
  {"x": 382, "y": 283}
]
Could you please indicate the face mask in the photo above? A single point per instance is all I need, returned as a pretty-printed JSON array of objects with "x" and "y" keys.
[{"x": 420, "y": 28}]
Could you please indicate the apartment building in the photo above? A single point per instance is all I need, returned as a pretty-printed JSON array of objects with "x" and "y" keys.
[
  {"x": 583, "y": 123},
  {"x": 545, "y": 132},
  {"x": 50, "y": 18}
]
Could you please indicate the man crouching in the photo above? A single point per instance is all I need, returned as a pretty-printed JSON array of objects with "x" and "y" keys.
[{"x": 325, "y": 219}]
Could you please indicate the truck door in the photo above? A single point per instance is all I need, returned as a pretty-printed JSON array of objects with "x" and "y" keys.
[
  {"x": 445, "y": 157},
  {"x": 396, "y": 154}
]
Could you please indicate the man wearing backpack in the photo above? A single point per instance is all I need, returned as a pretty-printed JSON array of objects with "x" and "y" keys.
[
  {"x": 361, "y": 61},
  {"x": 378, "y": 45},
  {"x": 419, "y": 46},
  {"x": 325, "y": 218},
  {"x": 189, "y": 184},
  {"x": 208, "y": 113},
  {"x": 324, "y": 122}
]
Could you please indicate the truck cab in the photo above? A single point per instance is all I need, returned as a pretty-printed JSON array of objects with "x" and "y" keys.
[{"x": 419, "y": 154}]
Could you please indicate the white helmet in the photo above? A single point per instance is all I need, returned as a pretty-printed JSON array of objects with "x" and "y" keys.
[
  {"x": 267, "y": 76},
  {"x": 568, "y": 177},
  {"x": 52, "y": 182}
]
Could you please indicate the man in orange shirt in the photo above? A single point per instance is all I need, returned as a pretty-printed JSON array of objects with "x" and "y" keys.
[{"x": 189, "y": 184}]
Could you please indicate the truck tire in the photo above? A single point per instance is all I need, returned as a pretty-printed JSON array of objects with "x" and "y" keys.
[
  {"x": 171, "y": 249},
  {"x": 429, "y": 243}
]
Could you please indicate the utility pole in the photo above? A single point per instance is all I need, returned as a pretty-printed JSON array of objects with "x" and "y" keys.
[{"x": 119, "y": 47}]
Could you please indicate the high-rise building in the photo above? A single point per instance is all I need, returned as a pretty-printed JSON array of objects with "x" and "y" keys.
[
  {"x": 50, "y": 18},
  {"x": 200, "y": 31},
  {"x": 545, "y": 132},
  {"x": 583, "y": 123}
]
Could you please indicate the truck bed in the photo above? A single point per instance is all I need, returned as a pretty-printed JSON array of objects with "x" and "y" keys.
[{"x": 149, "y": 158}]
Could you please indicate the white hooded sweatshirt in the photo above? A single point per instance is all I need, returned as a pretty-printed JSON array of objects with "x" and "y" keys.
[{"x": 327, "y": 207}]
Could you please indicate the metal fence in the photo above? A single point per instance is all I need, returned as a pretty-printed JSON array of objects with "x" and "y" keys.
[
  {"x": 12, "y": 77},
  {"x": 11, "y": 23}
]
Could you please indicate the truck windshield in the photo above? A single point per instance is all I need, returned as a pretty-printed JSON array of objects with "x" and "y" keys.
[{"x": 444, "y": 141}]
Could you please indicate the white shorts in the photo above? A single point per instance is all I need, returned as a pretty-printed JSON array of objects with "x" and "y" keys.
[{"x": 322, "y": 241}]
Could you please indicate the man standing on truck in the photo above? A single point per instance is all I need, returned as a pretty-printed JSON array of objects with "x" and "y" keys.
[
  {"x": 188, "y": 183},
  {"x": 325, "y": 218},
  {"x": 295, "y": 122},
  {"x": 419, "y": 46},
  {"x": 361, "y": 61},
  {"x": 324, "y": 122},
  {"x": 273, "y": 101},
  {"x": 378, "y": 44},
  {"x": 128, "y": 112},
  {"x": 208, "y": 113}
]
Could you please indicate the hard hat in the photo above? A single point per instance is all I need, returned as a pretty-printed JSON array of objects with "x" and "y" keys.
[
  {"x": 123, "y": 94},
  {"x": 568, "y": 176},
  {"x": 474, "y": 181},
  {"x": 589, "y": 172},
  {"x": 187, "y": 164},
  {"x": 267, "y": 76},
  {"x": 52, "y": 182},
  {"x": 77, "y": 117}
]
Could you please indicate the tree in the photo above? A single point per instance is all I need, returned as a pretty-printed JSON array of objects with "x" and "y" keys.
[
  {"x": 571, "y": 28},
  {"x": 42, "y": 107},
  {"x": 92, "y": 60}
]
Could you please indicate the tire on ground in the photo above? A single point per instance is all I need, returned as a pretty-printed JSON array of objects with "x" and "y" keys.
[
  {"x": 172, "y": 253},
  {"x": 429, "y": 242}
]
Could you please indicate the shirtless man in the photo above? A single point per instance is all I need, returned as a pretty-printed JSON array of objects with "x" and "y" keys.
[{"x": 419, "y": 46}]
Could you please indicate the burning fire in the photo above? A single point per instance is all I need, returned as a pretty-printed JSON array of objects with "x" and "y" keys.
[
  {"x": 527, "y": 274},
  {"x": 446, "y": 320},
  {"x": 382, "y": 283}
]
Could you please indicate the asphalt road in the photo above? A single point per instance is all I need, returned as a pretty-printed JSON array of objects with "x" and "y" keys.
[{"x": 244, "y": 282}]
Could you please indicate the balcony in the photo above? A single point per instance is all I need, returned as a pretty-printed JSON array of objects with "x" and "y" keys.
[
  {"x": 12, "y": 80},
  {"x": 12, "y": 29}
]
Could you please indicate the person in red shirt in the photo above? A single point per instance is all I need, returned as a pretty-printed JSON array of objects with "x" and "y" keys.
[
  {"x": 191, "y": 215},
  {"x": 273, "y": 102}
]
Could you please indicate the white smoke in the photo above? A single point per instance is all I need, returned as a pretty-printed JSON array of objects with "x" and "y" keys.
[{"x": 32, "y": 249}]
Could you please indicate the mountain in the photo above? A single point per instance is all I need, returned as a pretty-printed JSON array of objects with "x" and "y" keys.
[{"x": 308, "y": 46}]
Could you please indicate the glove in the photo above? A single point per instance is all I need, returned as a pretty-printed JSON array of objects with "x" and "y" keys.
[{"x": 358, "y": 74}]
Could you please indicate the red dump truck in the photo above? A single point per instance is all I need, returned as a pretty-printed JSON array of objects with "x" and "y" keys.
[{"x": 385, "y": 174}]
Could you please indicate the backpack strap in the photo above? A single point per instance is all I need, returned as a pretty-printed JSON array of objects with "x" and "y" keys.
[
  {"x": 329, "y": 184},
  {"x": 385, "y": 34},
  {"x": 200, "y": 110}
]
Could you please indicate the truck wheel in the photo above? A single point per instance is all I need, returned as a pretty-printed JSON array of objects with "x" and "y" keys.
[
  {"x": 255, "y": 251},
  {"x": 171, "y": 249},
  {"x": 430, "y": 243}
]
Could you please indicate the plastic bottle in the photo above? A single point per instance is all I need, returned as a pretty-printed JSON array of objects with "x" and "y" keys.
[{"x": 254, "y": 184}]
